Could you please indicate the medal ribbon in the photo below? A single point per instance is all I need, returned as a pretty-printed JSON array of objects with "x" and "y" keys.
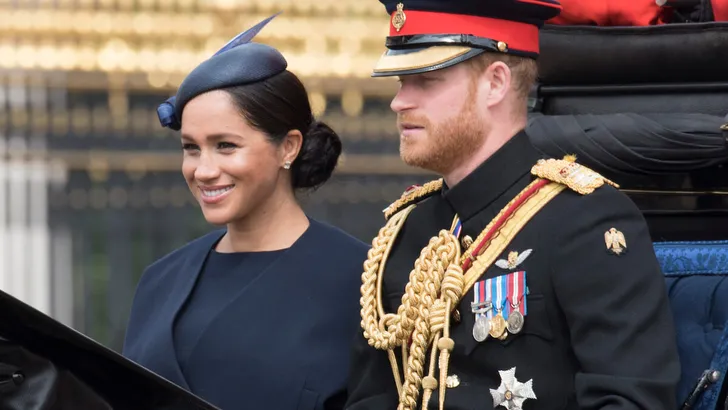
[
  {"x": 517, "y": 292},
  {"x": 500, "y": 295},
  {"x": 456, "y": 227},
  {"x": 482, "y": 292},
  {"x": 508, "y": 292}
]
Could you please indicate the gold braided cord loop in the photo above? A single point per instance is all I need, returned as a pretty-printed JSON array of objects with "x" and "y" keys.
[
  {"x": 436, "y": 286},
  {"x": 370, "y": 310}
]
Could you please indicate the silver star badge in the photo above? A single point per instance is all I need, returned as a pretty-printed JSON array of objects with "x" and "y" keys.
[{"x": 511, "y": 393}]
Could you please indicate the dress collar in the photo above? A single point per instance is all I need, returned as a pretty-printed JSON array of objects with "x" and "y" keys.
[{"x": 493, "y": 177}]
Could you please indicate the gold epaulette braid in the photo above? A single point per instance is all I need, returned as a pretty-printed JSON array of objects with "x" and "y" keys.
[
  {"x": 412, "y": 195},
  {"x": 567, "y": 172},
  {"x": 440, "y": 278}
]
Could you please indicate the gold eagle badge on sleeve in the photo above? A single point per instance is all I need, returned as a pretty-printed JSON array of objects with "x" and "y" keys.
[{"x": 615, "y": 241}]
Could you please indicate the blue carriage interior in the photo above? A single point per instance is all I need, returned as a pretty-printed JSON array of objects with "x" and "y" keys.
[
  {"x": 648, "y": 110},
  {"x": 696, "y": 273}
]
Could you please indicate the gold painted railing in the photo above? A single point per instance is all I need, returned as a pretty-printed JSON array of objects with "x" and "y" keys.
[{"x": 165, "y": 39}]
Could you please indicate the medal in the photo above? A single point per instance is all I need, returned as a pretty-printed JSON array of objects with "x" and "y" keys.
[
  {"x": 511, "y": 393},
  {"x": 515, "y": 322},
  {"x": 516, "y": 291},
  {"x": 499, "y": 294},
  {"x": 481, "y": 328},
  {"x": 481, "y": 307},
  {"x": 498, "y": 327},
  {"x": 482, "y": 322}
]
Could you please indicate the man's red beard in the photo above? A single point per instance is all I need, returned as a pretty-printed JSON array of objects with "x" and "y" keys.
[{"x": 443, "y": 146}]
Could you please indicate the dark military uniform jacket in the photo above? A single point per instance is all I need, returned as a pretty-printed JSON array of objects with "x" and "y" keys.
[{"x": 597, "y": 333}]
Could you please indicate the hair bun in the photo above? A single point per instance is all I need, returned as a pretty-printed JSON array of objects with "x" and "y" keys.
[{"x": 318, "y": 156}]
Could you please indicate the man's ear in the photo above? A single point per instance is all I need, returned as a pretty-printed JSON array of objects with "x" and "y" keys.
[{"x": 498, "y": 75}]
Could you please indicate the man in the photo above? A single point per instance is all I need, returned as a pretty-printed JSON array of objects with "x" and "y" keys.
[{"x": 513, "y": 282}]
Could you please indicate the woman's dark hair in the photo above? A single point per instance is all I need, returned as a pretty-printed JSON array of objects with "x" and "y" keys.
[{"x": 280, "y": 104}]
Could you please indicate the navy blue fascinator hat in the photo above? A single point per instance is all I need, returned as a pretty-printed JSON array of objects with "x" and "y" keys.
[{"x": 239, "y": 62}]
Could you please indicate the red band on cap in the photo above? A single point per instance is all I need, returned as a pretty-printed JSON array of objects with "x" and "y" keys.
[{"x": 518, "y": 36}]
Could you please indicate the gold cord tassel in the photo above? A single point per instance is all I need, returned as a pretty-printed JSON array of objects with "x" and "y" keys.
[
  {"x": 452, "y": 291},
  {"x": 445, "y": 345},
  {"x": 429, "y": 383},
  {"x": 423, "y": 315},
  {"x": 421, "y": 336},
  {"x": 395, "y": 370}
]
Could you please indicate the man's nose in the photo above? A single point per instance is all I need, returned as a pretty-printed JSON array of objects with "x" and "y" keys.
[{"x": 403, "y": 100}]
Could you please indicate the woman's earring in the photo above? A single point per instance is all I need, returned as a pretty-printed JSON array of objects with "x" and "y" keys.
[{"x": 287, "y": 165}]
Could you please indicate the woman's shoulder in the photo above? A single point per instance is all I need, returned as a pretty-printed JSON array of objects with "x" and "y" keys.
[
  {"x": 196, "y": 248},
  {"x": 332, "y": 250},
  {"x": 323, "y": 232},
  {"x": 334, "y": 262},
  {"x": 200, "y": 244}
]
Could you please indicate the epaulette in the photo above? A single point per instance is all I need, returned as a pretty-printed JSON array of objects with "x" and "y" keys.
[
  {"x": 413, "y": 194},
  {"x": 567, "y": 172}
]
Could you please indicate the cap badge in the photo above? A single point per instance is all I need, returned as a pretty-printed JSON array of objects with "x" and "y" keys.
[{"x": 399, "y": 17}]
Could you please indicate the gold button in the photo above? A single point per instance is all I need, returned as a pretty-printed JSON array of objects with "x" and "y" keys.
[
  {"x": 467, "y": 241},
  {"x": 502, "y": 46},
  {"x": 456, "y": 316}
]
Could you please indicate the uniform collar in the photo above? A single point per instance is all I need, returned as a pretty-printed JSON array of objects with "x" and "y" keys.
[{"x": 493, "y": 177}]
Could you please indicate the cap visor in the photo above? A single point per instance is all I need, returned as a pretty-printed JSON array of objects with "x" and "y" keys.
[{"x": 420, "y": 60}]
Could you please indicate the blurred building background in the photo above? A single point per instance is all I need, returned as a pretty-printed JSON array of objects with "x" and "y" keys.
[{"x": 90, "y": 187}]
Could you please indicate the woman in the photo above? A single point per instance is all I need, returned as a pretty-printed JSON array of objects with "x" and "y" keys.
[{"x": 258, "y": 315}]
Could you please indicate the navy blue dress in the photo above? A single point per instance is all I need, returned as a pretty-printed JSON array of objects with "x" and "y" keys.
[{"x": 253, "y": 330}]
